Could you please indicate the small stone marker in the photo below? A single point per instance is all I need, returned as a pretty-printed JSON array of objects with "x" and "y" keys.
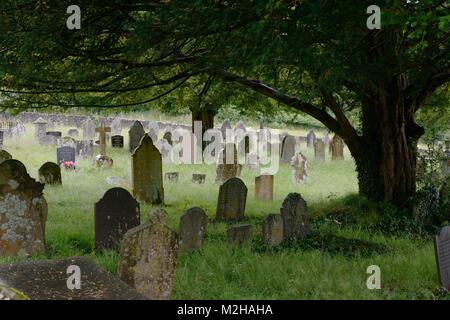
[
  {"x": 117, "y": 141},
  {"x": 148, "y": 257},
  {"x": 147, "y": 179},
  {"x": 319, "y": 150},
  {"x": 288, "y": 149},
  {"x": 240, "y": 234},
  {"x": 50, "y": 173},
  {"x": 442, "y": 252},
  {"x": 337, "y": 148},
  {"x": 264, "y": 187},
  {"x": 48, "y": 280},
  {"x": 199, "y": 178},
  {"x": 23, "y": 211},
  {"x": 232, "y": 200},
  {"x": 115, "y": 214},
  {"x": 103, "y": 130},
  {"x": 4, "y": 155},
  {"x": 272, "y": 230},
  {"x": 65, "y": 154},
  {"x": 192, "y": 229},
  {"x": 172, "y": 176},
  {"x": 295, "y": 220},
  {"x": 135, "y": 133},
  {"x": 311, "y": 139}
]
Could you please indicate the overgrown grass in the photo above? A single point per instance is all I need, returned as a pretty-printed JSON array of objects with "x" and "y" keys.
[{"x": 330, "y": 265}]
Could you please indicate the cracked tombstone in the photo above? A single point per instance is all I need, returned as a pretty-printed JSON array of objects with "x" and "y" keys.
[
  {"x": 272, "y": 230},
  {"x": 23, "y": 211},
  {"x": 50, "y": 173},
  {"x": 146, "y": 168},
  {"x": 442, "y": 253},
  {"x": 231, "y": 201},
  {"x": 135, "y": 134},
  {"x": 295, "y": 220},
  {"x": 192, "y": 229},
  {"x": 115, "y": 213},
  {"x": 4, "y": 155},
  {"x": 148, "y": 257}
]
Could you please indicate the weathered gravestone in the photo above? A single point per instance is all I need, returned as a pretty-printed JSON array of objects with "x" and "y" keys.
[
  {"x": 337, "y": 148},
  {"x": 56, "y": 134},
  {"x": 85, "y": 149},
  {"x": 192, "y": 229},
  {"x": 153, "y": 130},
  {"x": 115, "y": 214},
  {"x": 50, "y": 173},
  {"x": 65, "y": 154},
  {"x": 51, "y": 137},
  {"x": 298, "y": 164},
  {"x": 147, "y": 178},
  {"x": 4, "y": 155},
  {"x": 311, "y": 139},
  {"x": 88, "y": 129},
  {"x": 442, "y": 252},
  {"x": 23, "y": 211},
  {"x": 319, "y": 150},
  {"x": 116, "y": 127},
  {"x": 73, "y": 133},
  {"x": 40, "y": 129},
  {"x": 232, "y": 200},
  {"x": 199, "y": 178},
  {"x": 272, "y": 230},
  {"x": 117, "y": 141},
  {"x": 50, "y": 280},
  {"x": 264, "y": 187},
  {"x": 148, "y": 257},
  {"x": 288, "y": 149},
  {"x": 295, "y": 220},
  {"x": 240, "y": 234},
  {"x": 172, "y": 176},
  {"x": 135, "y": 133}
]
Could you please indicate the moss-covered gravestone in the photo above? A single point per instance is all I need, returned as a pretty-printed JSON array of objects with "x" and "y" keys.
[
  {"x": 192, "y": 228},
  {"x": 23, "y": 211},
  {"x": 148, "y": 257},
  {"x": 337, "y": 148},
  {"x": 295, "y": 220},
  {"x": 272, "y": 230},
  {"x": 50, "y": 173},
  {"x": 288, "y": 149},
  {"x": 264, "y": 187},
  {"x": 146, "y": 168},
  {"x": 232, "y": 200},
  {"x": 115, "y": 214},
  {"x": 240, "y": 235}
]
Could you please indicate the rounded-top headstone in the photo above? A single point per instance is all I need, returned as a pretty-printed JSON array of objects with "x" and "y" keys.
[
  {"x": 232, "y": 200},
  {"x": 295, "y": 220},
  {"x": 50, "y": 173}
]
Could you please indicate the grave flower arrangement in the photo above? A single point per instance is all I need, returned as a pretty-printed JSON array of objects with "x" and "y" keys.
[{"x": 68, "y": 165}]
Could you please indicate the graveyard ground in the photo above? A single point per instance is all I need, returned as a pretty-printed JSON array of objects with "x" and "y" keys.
[{"x": 330, "y": 265}]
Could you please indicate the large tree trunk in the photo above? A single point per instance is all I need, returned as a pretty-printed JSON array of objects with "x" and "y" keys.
[{"x": 386, "y": 160}]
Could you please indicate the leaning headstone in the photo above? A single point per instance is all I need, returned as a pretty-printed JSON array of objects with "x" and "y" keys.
[
  {"x": 115, "y": 214},
  {"x": 311, "y": 139},
  {"x": 295, "y": 220},
  {"x": 240, "y": 234},
  {"x": 337, "y": 148},
  {"x": 288, "y": 149},
  {"x": 4, "y": 155},
  {"x": 171, "y": 176},
  {"x": 272, "y": 230},
  {"x": 73, "y": 133},
  {"x": 88, "y": 129},
  {"x": 264, "y": 187},
  {"x": 117, "y": 141},
  {"x": 192, "y": 229},
  {"x": 199, "y": 178},
  {"x": 116, "y": 127},
  {"x": 319, "y": 150},
  {"x": 135, "y": 133},
  {"x": 442, "y": 253},
  {"x": 65, "y": 154},
  {"x": 298, "y": 164},
  {"x": 50, "y": 173},
  {"x": 148, "y": 257},
  {"x": 231, "y": 201},
  {"x": 50, "y": 279},
  {"x": 147, "y": 178},
  {"x": 23, "y": 211}
]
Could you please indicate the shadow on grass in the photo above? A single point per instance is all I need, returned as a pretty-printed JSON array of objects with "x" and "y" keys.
[{"x": 331, "y": 244}]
